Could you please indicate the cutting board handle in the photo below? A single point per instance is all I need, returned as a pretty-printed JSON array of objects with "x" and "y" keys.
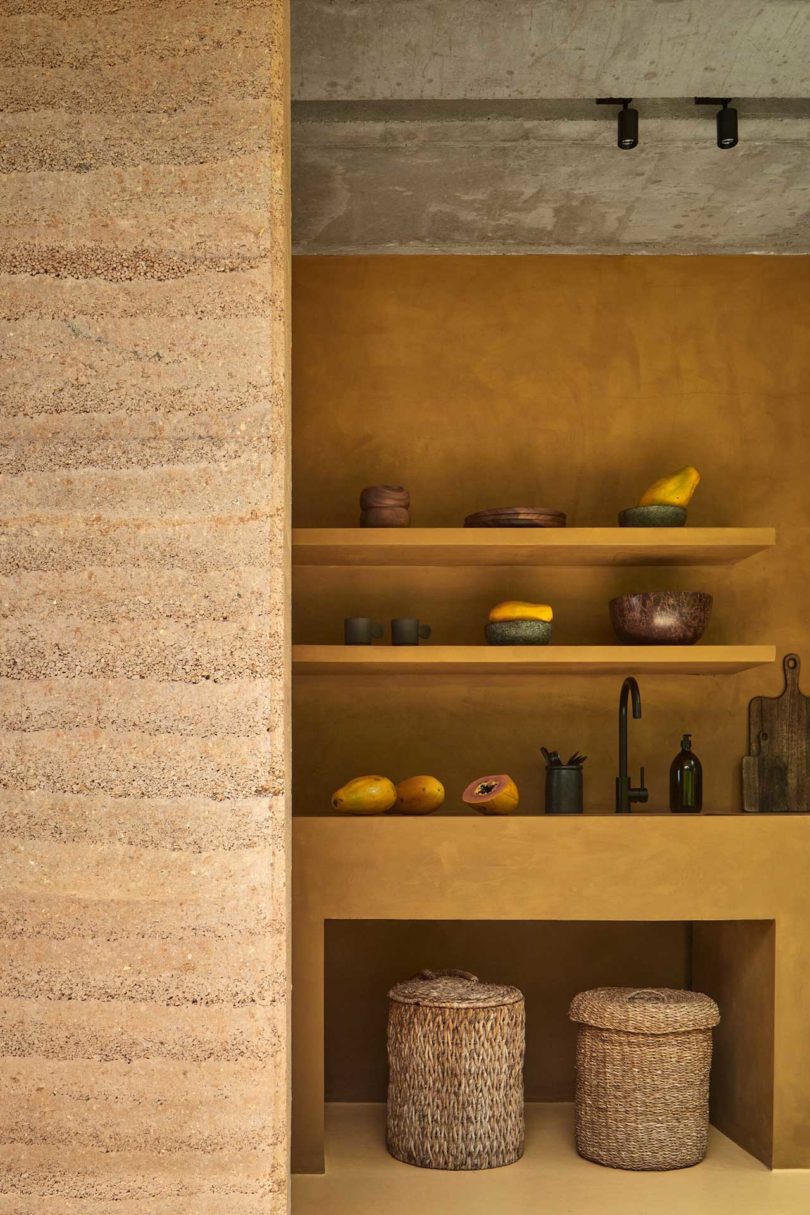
[{"x": 791, "y": 665}]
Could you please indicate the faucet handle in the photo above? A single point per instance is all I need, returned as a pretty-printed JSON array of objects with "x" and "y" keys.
[{"x": 642, "y": 793}]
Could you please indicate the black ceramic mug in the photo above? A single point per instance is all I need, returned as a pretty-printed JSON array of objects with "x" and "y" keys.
[
  {"x": 361, "y": 630},
  {"x": 564, "y": 789},
  {"x": 406, "y": 630}
]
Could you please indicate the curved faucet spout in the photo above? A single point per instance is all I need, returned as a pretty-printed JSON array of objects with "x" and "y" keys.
[
  {"x": 630, "y": 686},
  {"x": 625, "y": 793}
]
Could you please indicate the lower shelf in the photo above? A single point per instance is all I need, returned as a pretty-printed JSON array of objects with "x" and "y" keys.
[
  {"x": 362, "y": 1179},
  {"x": 528, "y": 659}
]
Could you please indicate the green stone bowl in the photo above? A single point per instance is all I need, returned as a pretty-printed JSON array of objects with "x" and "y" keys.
[
  {"x": 653, "y": 516},
  {"x": 518, "y": 632}
]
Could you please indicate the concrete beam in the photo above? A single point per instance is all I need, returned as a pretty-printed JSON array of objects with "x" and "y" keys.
[
  {"x": 500, "y": 184},
  {"x": 367, "y": 49}
]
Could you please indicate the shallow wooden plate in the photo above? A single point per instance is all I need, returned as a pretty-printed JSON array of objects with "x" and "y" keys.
[{"x": 517, "y": 516}]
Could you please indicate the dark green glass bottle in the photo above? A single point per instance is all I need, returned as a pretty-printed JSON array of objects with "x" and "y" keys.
[{"x": 686, "y": 780}]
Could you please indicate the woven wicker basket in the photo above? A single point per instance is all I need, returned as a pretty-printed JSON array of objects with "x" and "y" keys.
[
  {"x": 643, "y": 1060},
  {"x": 455, "y": 1059}
]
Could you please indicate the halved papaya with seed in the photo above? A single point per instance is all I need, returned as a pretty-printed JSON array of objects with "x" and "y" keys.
[{"x": 492, "y": 795}]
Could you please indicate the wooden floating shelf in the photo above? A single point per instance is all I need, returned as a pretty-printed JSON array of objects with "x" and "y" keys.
[
  {"x": 528, "y": 659},
  {"x": 459, "y": 546}
]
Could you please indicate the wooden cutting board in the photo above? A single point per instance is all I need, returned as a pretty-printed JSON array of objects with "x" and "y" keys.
[{"x": 776, "y": 774}]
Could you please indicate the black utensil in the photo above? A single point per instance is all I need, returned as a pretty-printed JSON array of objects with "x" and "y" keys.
[{"x": 546, "y": 755}]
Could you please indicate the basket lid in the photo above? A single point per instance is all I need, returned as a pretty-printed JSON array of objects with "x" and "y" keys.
[
  {"x": 453, "y": 989},
  {"x": 644, "y": 1010}
]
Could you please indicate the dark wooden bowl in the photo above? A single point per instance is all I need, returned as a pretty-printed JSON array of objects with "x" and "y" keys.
[
  {"x": 385, "y": 516},
  {"x": 376, "y": 496},
  {"x": 661, "y": 617}
]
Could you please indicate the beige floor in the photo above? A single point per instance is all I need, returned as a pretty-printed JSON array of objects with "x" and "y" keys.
[{"x": 362, "y": 1179}]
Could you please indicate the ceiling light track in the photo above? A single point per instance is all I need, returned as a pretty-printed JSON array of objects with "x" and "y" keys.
[{"x": 627, "y": 124}]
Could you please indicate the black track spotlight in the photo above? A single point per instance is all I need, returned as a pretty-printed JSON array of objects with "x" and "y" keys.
[
  {"x": 726, "y": 120},
  {"x": 628, "y": 121}
]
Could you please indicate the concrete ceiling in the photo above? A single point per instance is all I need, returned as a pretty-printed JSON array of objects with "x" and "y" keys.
[
  {"x": 429, "y": 49},
  {"x": 469, "y": 126}
]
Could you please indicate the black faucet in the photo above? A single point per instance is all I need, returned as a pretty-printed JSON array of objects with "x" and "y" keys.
[{"x": 625, "y": 793}]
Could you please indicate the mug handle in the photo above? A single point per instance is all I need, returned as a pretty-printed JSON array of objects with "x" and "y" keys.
[
  {"x": 377, "y": 630},
  {"x": 424, "y": 631}
]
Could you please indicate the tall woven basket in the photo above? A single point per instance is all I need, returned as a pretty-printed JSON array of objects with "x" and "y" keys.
[
  {"x": 455, "y": 1059},
  {"x": 643, "y": 1060}
]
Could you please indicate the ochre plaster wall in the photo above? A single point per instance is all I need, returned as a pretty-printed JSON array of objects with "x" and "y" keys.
[
  {"x": 143, "y": 273},
  {"x": 562, "y": 381}
]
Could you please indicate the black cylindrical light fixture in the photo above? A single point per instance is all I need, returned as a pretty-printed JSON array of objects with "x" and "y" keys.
[
  {"x": 726, "y": 127},
  {"x": 627, "y": 136},
  {"x": 726, "y": 120},
  {"x": 628, "y": 127}
]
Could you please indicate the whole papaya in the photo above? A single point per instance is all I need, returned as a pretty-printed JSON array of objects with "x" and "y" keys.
[
  {"x": 419, "y": 795},
  {"x": 365, "y": 795},
  {"x": 675, "y": 490}
]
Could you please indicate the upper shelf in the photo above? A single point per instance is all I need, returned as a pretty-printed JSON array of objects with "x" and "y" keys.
[
  {"x": 528, "y": 659},
  {"x": 461, "y": 546}
]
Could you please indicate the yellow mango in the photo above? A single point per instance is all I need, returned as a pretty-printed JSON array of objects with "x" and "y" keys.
[
  {"x": 365, "y": 795},
  {"x": 513, "y": 609},
  {"x": 674, "y": 490},
  {"x": 419, "y": 795}
]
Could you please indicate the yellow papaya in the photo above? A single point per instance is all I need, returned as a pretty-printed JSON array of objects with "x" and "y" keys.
[
  {"x": 365, "y": 795},
  {"x": 419, "y": 795},
  {"x": 513, "y": 609},
  {"x": 674, "y": 490},
  {"x": 492, "y": 795}
]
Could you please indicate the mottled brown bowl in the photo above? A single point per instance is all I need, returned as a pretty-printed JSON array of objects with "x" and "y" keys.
[{"x": 661, "y": 617}]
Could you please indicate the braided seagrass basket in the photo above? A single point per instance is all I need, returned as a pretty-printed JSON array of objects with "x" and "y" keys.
[
  {"x": 455, "y": 1061},
  {"x": 643, "y": 1060}
]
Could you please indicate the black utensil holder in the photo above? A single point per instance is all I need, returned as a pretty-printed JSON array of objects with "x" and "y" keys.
[{"x": 564, "y": 789}]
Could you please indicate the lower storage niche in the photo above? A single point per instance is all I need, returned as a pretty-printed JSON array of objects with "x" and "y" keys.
[{"x": 549, "y": 961}]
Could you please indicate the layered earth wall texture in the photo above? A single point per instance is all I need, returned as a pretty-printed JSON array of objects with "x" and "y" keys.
[{"x": 143, "y": 1001}]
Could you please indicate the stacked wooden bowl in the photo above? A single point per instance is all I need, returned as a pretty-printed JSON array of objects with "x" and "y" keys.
[{"x": 385, "y": 506}]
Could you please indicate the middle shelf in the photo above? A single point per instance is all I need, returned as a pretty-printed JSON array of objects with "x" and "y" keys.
[
  {"x": 528, "y": 660},
  {"x": 572, "y": 546}
]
